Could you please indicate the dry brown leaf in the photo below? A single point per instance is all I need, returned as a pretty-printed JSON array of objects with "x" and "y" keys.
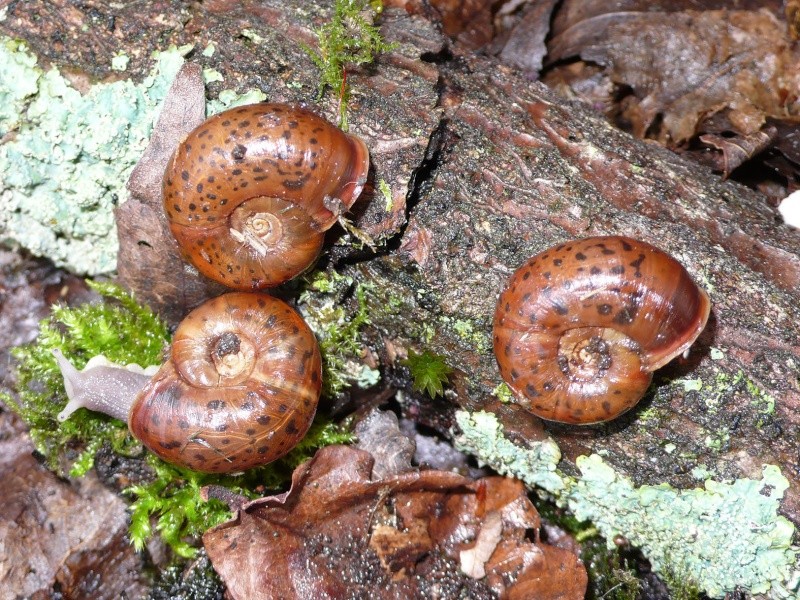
[
  {"x": 684, "y": 67},
  {"x": 149, "y": 261},
  {"x": 521, "y": 37},
  {"x": 340, "y": 534},
  {"x": 737, "y": 150}
]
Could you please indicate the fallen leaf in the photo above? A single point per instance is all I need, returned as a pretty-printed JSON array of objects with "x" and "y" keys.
[
  {"x": 683, "y": 67},
  {"x": 521, "y": 38},
  {"x": 737, "y": 150},
  {"x": 340, "y": 533},
  {"x": 149, "y": 261}
]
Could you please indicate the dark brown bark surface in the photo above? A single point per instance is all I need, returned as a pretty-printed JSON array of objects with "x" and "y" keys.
[{"x": 486, "y": 169}]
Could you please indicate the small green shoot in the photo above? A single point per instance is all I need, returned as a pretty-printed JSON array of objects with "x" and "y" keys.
[
  {"x": 350, "y": 38},
  {"x": 429, "y": 372},
  {"x": 339, "y": 343},
  {"x": 386, "y": 192}
]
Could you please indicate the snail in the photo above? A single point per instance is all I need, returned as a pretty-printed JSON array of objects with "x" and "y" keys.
[
  {"x": 250, "y": 193},
  {"x": 581, "y": 327},
  {"x": 240, "y": 387}
]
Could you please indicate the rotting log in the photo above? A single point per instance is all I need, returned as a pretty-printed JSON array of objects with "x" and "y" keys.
[{"x": 486, "y": 169}]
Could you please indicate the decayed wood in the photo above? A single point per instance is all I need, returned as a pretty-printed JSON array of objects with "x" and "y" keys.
[{"x": 487, "y": 168}]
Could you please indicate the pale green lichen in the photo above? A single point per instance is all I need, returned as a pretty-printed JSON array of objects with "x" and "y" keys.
[
  {"x": 17, "y": 66},
  {"x": 478, "y": 339},
  {"x": 721, "y": 536},
  {"x": 482, "y": 435},
  {"x": 230, "y": 99},
  {"x": 66, "y": 165},
  {"x": 503, "y": 393},
  {"x": 212, "y": 76},
  {"x": 120, "y": 62}
]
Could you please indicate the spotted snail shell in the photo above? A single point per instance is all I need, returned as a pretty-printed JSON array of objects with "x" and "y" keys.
[
  {"x": 239, "y": 390},
  {"x": 581, "y": 327},
  {"x": 250, "y": 193}
]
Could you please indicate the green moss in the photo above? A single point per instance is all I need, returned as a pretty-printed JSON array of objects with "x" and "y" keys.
[
  {"x": 386, "y": 192},
  {"x": 123, "y": 331},
  {"x": 349, "y": 38},
  {"x": 338, "y": 332},
  {"x": 172, "y": 499},
  {"x": 126, "y": 332},
  {"x": 720, "y": 536},
  {"x": 429, "y": 372},
  {"x": 681, "y": 586}
]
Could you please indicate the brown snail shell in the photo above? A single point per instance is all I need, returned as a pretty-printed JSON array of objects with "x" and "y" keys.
[
  {"x": 250, "y": 193},
  {"x": 239, "y": 389},
  {"x": 581, "y": 327}
]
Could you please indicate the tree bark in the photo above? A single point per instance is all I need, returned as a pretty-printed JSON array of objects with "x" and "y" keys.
[{"x": 486, "y": 169}]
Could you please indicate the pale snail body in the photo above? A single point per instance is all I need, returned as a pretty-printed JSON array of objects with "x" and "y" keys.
[
  {"x": 580, "y": 327},
  {"x": 239, "y": 389},
  {"x": 250, "y": 193}
]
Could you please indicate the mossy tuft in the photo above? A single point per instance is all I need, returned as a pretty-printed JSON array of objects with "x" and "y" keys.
[
  {"x": 429, "y": 372},
  {"x": 349, "y": 38},
  {"x": 337, "y": 332},
  {"x": 126, "y": 332},
  {"x": 121, "y": 330}
]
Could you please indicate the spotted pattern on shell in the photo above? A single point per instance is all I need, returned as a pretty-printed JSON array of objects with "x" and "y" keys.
[
  {"x": 248, "y": 192},
  {"x": 223, "y": 407},
  {"x": 580, "y": 327}
]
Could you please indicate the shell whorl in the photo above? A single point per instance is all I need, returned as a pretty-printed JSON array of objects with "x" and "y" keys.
[
  {"x": 251, "y": 191},
  {"x": 581, "y": 326},
  {"x": 240, "y": 388}
]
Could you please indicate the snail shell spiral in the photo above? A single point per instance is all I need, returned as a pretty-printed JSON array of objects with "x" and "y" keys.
[
  {"x": 580, "y": 327},
  {"x": 239, "y": 390},
  {"x": 250, "y": 193}
]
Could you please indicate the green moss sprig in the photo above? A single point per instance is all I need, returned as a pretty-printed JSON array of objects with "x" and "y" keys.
[
  {"x": 429, "y": 372},
  {"x": 337, "y": 332},
  {"x": 350, "y": 38},
  {"x": 171, "y": 502}
]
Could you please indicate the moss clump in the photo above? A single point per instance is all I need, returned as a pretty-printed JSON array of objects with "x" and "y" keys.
[
  {"x": 349, "y": 38},
  {"x": 429, "y": 372},
  {"x": 122, "y": 331},
  {"x": 337, "y": 332},
  {"x": 126, "y": 332},
  {"x": 172, "y": 499}
]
